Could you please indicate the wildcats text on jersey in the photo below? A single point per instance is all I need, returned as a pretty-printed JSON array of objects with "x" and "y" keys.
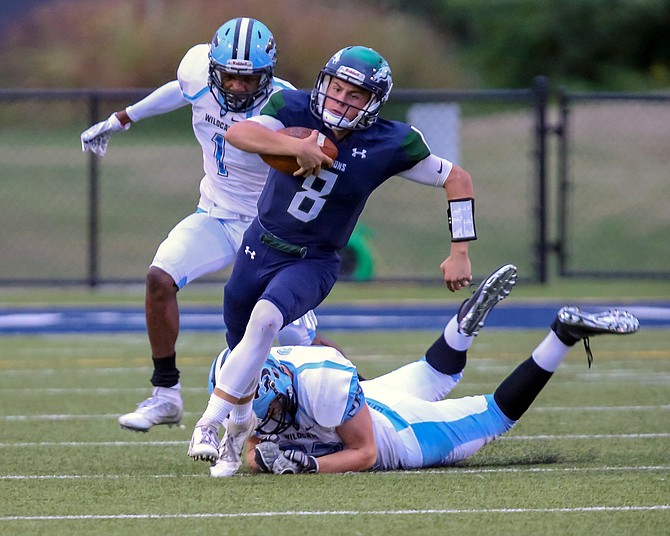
[
  {"x": 216, "y": 122},
  {"x": 299, "y": 435}
]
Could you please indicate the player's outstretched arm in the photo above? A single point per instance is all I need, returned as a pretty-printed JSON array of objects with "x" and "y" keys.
[
  {"x": 96, "y": 138},
  {"x": 165, "y": 99},
  {"x": 456, "y": 269}
]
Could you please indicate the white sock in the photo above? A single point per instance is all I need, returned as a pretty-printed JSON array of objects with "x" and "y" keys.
[
  {"x": 171, "y": 394},
  {"x": 241, "y": 413},
  {"x": 454, "y": 338},
  {"x": 550, "y": 353},
  {"x": 216, "y": 412}
]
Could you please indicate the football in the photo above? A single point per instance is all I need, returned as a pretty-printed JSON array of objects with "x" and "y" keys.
[{"x": 288, "y": 164}]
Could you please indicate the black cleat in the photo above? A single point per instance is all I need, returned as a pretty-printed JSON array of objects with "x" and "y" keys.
[
  {"x": 572, "y": 325},
  {"x": 494, "y": 288}
]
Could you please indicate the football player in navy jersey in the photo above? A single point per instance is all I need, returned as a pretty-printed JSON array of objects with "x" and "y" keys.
[{"x": 288, "y": 261}]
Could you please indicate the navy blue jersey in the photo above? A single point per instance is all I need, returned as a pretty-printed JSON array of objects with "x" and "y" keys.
[{"x": 322, "y": 211}]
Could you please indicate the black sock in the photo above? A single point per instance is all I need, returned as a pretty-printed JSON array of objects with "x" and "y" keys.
[
  {"x": 444, "y": 358},
  {"x": 518, "y": 391},
  {"x": 564, "y": 337},
  {"x": 166, "y": 373}
]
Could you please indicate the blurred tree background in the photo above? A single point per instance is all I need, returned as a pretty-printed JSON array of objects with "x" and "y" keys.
[{"x": 589, "y": 44}]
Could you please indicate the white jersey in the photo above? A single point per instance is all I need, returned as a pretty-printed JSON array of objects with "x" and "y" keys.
[
  {"x": 413, "y": 426},
  {"x": 328, "y": 392},
  {"x": 233, "y": 178}
]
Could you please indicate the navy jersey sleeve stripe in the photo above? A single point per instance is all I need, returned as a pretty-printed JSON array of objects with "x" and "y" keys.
[
  {"x": 415, "y": 146},
  {"x": 274, "y": 105}
]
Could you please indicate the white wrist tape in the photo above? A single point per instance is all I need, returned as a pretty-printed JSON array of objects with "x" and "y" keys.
[{"x": 461, "y": 215}]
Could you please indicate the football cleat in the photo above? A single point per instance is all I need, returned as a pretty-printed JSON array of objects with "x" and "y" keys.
[
  {"x": 232, "y": 447},
  {"x": 493, "y": 289},
  {"x": 204, "y": 444},
  {"x": 572, "y": 324},
  {"x": 153, "y": 411}
]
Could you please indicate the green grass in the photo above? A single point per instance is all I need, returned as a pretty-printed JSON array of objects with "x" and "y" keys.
[{"x": 591, "y": 450}]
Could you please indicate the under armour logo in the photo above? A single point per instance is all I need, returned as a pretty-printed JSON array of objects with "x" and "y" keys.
[
  {"x": 362, "y": 153},
  {"x": 251, "y": 254}
]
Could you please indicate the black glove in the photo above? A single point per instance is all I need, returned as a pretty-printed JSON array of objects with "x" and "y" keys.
[{"x": 292, "y": 462}]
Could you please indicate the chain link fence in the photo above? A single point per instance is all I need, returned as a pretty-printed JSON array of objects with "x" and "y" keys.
[
  {"x": 73, "y": 218},
  {"x": 613, "y": 212}
]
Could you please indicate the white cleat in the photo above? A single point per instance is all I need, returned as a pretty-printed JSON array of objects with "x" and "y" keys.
[
  {"x": 204, "y": 444},
  {"x": 232, "y": 447},
  {"x": 153, "y": 411}
]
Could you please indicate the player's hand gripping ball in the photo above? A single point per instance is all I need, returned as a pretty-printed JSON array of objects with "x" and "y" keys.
[{"x": 288, "y": 164}]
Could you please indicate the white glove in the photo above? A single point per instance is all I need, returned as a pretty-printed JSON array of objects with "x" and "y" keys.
[
  {"x": 96, "y": 138},
  {"x": 265, "y": 454},
  {"x": 292, "y": 462}
]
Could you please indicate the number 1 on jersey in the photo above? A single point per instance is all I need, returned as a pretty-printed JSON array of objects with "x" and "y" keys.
[{"x": 219, "y": 153}]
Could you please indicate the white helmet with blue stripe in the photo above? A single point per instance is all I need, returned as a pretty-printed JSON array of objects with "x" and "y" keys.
[{"x": 242, "y": 47}]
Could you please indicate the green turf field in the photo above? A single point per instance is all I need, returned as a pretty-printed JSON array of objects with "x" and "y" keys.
[{"x": 590, "y": 457}]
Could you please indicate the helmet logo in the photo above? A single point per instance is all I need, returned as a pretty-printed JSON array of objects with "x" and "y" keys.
[
  {"x": 270, "y": 47},
  {"x": 239, "y": 64},
  {"x": 382, "y": 74},
  {"x": 348, "y": 72},
  {"x": 337, "y": 56}
]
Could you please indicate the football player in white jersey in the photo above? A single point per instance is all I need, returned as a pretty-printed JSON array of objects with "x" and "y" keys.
[
  {"x": 315, "y": 415},
  {"x": 225, "y": 82}
]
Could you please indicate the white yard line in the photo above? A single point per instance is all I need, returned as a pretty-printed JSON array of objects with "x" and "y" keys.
[
  {"x": 444, "y": 471},
  {"x": 479, "y": 511},
  {"x": 174, "y": 443},
  {"x": 69, "y": 391}
]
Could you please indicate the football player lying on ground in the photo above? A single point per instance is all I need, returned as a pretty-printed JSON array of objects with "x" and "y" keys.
[{"x": 315, "y": 415}]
